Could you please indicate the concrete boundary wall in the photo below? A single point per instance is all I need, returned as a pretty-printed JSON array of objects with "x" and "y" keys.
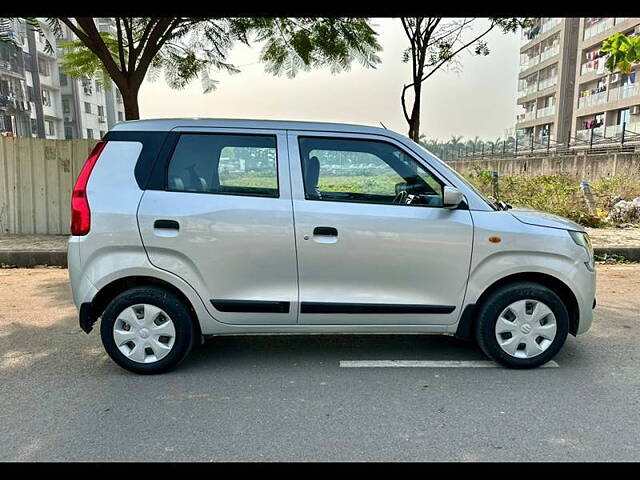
[
  {"x": 581, "y": 167},
  {"x": 36, "y": 180}
]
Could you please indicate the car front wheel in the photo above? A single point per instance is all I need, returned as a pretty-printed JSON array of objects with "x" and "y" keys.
[{"x": 522, "y": 325}]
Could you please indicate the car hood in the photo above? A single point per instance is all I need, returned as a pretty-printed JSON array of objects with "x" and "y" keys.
[{"x": 544, "y": 219}]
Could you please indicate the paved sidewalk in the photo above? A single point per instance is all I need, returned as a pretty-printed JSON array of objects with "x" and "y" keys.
[{"x": 31, "y": 250}]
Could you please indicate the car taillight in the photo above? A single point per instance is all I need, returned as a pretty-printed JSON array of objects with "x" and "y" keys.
[{"x": 80, "y": 212}]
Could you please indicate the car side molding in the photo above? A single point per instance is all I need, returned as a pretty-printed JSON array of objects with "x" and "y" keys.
[{"x": 327, "y": 307}]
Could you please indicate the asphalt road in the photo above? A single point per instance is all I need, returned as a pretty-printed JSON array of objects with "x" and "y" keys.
[{"x": 286, "y": 398}]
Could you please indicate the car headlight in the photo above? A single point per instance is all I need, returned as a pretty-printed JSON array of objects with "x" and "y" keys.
[{"x": 582, "y": 239}]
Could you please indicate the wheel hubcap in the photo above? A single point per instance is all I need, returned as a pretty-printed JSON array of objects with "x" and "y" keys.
[
  {"x": 526, "y": 328},
  {"x": 144, "y": 333}
]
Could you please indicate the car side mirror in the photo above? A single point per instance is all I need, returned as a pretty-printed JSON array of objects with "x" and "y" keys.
[{"x": 452, "y": 197}]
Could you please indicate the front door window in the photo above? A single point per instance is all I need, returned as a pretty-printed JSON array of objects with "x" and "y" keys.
[{"x": 365, "y": 171}]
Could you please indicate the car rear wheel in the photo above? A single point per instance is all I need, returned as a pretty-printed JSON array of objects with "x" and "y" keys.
[
  {"x": 522, "y": 325},
  {"x": 147, "y": 330}
]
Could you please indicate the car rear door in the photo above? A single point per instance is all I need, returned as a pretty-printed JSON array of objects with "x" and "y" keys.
[
  {"x": 366, "y": 256},
  {"x": 223, "y": 222}
]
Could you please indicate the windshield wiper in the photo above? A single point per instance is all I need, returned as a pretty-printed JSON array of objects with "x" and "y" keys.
[{"x": 503, "y": 206}]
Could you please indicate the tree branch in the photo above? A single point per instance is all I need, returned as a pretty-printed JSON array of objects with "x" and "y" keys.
[
  {"x": 123, "y": 67},
  {"x": 93, "y": 41}
]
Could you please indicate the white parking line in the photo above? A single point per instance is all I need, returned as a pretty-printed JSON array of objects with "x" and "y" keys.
[{"x": 428, "y": 364}]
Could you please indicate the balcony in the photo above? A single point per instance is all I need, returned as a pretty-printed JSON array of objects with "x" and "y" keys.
[
  {"x": 550, "y": 52},
  {"x": 588, "y": 67},
  {"x": 526, "y": 116},
  {"x": 598, "y": 27},
  {"x": 626, "y": 91},
  {"x": 539, "y": 29},
  {"x": 585, "y": 134},
  {"x": 591, "y": 100},
  {"x": 531, "y": 88},
  {"x": 546, "y": 111},
  {"x": 609, "y": 131},
  {"x": 12, "y": 65},
  {"x": 549, "y": 24},
  {"x": 547, "y": 82},
  {"x": 530, "y": 62}
]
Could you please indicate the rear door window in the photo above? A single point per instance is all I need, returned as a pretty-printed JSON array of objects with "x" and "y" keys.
[{"x": 224, "y": 164}]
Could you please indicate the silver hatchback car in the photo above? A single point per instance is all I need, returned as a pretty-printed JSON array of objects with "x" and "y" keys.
[{"x": 183, "y": 228}]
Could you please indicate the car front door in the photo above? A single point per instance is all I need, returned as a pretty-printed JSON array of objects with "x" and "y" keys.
[
  {"x": 224, "y": 223},
  {"x": 375, "y": 245}
]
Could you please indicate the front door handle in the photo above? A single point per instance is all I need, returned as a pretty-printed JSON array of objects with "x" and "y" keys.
[
  {"x": 166, "y": 224},
  {"x": 325, "y": 231}
]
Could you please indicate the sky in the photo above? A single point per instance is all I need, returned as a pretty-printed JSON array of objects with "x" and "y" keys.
[{"x": 478, "y": 101}]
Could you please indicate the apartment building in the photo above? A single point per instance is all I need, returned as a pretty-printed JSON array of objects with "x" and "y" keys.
[
  {"x": 90, "y": 105},
  {"x": 38, "y": 99},
  {"x": 545, "y": 81},
  {"x": 564, "y": 90},
  {"x": 15, "y": 107},
  {"x": 604, "y": 103}
]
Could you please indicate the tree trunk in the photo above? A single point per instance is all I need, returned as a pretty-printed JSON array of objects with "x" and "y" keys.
[
  {"x": 130, "y": 100},
  {"x": 414, "y": 118}
]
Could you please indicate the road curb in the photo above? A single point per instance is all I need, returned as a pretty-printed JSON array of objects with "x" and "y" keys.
[
  {"x": 29, "y": 259},
  {"x": 630, "y": 253},
  {"x": 58, "y": 258}
]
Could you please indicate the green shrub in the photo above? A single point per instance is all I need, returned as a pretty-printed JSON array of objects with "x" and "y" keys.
[{"x": 559, "y": 194}]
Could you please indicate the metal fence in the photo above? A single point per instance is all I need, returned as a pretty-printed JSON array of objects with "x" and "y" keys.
[{"x": 619, "y": 138}]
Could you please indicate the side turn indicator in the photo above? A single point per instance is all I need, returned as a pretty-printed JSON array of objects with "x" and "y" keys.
[{"x": 495, "y": 239}]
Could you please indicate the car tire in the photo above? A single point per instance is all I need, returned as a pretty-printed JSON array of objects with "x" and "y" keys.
[
  {"x": 151, "y": 345},
  {"x": 515, "y": 317}
]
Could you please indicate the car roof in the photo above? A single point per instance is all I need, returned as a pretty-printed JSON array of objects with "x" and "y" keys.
[{"x": 166, "y": 124}]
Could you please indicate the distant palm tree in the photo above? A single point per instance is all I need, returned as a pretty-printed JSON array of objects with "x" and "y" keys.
[{"x": 455, "y": 140}]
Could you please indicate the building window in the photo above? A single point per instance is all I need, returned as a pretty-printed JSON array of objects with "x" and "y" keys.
[
  {"x": 120, "y": 117},
  {"x": 68, "y": 132},
  {"x": 30, "y": 94},
  {"x": 89, "y": 133},
  {"x": 27, "y": 62},
  {"x": 65, "y": 106},
  {"x": 51, "y": 127},
  {"x": 6, "y": 125},
  {"x": 624, "y": 116},
  {"x": 63, "y": 80},
  {"x": 87, "y": 107},
  {"x": 98, "y": 86},
  {"x": 102, "y": 132},
  {"x": 86, "y": 86},
  {"x": 46, "y": 97},
  {"x": 34, "y": 126},
  {"x": 100, "y": 111},
  {"x": 44, "y": 68}
]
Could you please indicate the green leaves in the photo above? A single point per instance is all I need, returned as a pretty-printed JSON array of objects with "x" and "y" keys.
[
  {"x": 623, "y": 52},
  {"x": 292, "y": 45},
  {"x": 78, "y": 61}
]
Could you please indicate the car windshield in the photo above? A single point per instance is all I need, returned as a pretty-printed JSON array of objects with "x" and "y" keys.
[{"x": 487, "y": 200}]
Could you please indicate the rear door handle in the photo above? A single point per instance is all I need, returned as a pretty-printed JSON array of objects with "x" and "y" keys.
[
  {"x": 166, "y": 224},
  {"x": 325, "y": 231}
]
